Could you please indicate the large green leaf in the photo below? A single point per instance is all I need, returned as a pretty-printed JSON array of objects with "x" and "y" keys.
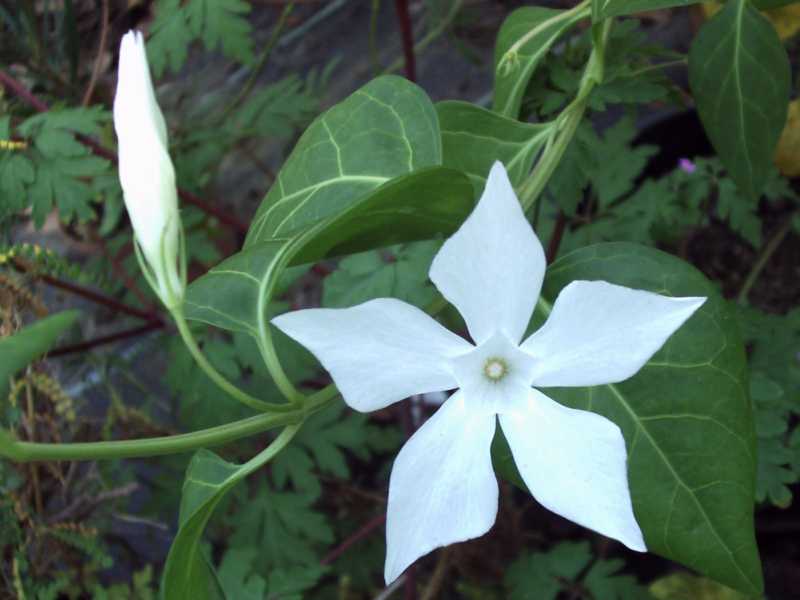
[
  {"x": 234, "y": 295},
  {"x": 603, "y": 9},
  {"x": 473, "y": 138},
  {"x": 686, "y": 418},
  {"x": 523, "y": 40},
  {"x": 385, "y": 129},
  {"x": 187, "y": 573},
  {"x": 19, "y": 350},
  {"x": 740, "y": 77}
]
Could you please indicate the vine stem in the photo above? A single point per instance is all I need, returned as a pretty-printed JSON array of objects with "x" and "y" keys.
[
  {"x": 83, "y": 292},
  {"x": 566, "y": 124},
  {"x": 215, "y": 376},
  {"x": 19, "y": 451},
  {"x": 766, "y": 254}
]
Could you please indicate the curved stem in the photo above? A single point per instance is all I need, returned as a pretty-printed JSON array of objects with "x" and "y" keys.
[
  {"x": 567, "y": 123},
  {"x": 174, "y": 444},
  {"x": 772, "y": 245},
  {"x": 216, "y": 376}
]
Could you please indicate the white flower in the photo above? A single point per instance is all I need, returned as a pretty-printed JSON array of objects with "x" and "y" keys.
[
  {"x": 145, "y": 169},
  {"x": 442, "y": 487}
]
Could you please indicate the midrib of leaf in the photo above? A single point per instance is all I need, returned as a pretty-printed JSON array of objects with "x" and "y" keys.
[
  {"x": 547, "y": 307},
  {"x": 737, "y": 75},
  {"x": 574, "y": 13},
  {"x": 311, "y": 188},
  {"x": 680, "y": 482}
]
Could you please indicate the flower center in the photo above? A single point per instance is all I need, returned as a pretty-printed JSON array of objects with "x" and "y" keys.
[{"x": 495, "y": 368}]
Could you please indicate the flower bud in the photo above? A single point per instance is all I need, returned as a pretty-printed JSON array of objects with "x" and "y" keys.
[{"x": 146, "y": 172}]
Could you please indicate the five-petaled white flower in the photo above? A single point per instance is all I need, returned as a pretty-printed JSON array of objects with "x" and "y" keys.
[
  {"x": 145, "y": 169},
  {"x": 442, "y": 487}
]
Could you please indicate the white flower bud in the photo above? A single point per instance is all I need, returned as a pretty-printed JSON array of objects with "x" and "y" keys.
[{"x": 145, "y": 170}]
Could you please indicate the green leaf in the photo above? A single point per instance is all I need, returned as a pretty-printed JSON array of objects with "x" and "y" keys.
[
  {"x": 683, "y": 586},
  {"x": 187, "y": 573},
  {"x": 473, "y": 138},
  {"x": 283, "y": 526},
  {"x": 523, "y": 40},
  {"x": 19, "y": 350},
  {"x": 399, "y": 272},
  {"x": 322, "y": 443},
  {"x": 740, "y": 77},
  {"x": 386, "y": 129},
  {"x": 234, "y": 295},
  {"x": 603, "y": 9},
  {"x": 219, "y": 23},
  {"x": 685, "y": 415},
  {"x": 542, "y": 575}
]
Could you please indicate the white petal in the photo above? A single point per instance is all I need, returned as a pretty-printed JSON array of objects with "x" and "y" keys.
[
  {"x": 574, "y": 463},
  {"x": 145, "y": 169},
  {"x": 602, "y": 333},
  {"x": 378, "y": 352},
  {"x": 491, "y": 269},
  {"x": 491, "y": 395},
  {"x": 442, "y": 488}
]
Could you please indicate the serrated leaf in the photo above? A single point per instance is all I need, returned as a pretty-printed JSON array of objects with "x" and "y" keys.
[
  {"x": 686, "y": 418},
  {"x": 542, "y": 575},
  {"x": 740, "y": 77},
  {"x": 282, "y": 525},
  {"x": 219, "y": 23},
  {"x": 473, "y": 138},
  {"x": 386, "y": 129},
  {"x": 522, "y": 42},
  {"x": 401, "y": 272},
  {"x": 28, "y": 344}
]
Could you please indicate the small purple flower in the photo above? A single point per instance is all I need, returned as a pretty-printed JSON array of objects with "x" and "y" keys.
[{"x": 687, "y": 166}]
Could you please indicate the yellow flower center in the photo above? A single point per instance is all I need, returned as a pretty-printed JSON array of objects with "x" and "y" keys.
[{"x": 495, "y": 368}]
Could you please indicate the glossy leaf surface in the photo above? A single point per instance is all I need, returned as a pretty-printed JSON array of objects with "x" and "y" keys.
[
  {"x": 686, "y": 418},
  {"x": 383, "y": 130},
  {"x": 234, "y": 294},
  {"x": 473, "y": 138}
]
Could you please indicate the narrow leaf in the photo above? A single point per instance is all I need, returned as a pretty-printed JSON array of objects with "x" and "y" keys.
[
  {"x": 22, "y": 348},
  {"x": 187, "y": 573}
]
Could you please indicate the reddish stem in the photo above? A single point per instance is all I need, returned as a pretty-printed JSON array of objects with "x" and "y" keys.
[
  {"x": 17, "y": 88},
  {"x": 555, "y": 240},
  {"x": 90, "y": 294},
  {"x": 359, "y": 535},
  {"x": 107, "y": 339},
  {"x": 404, "y": 20}
]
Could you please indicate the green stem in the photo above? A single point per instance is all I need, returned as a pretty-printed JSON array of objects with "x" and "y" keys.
[
  {"x": 215, "y": 376},
  {"x": 766, "y": 254},
  {"x": 566, "y": 124},
  {"x": 216, "y": 436}
]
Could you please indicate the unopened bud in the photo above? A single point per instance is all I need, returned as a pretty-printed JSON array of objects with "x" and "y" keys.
[{"x": 146, "y": 172}]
